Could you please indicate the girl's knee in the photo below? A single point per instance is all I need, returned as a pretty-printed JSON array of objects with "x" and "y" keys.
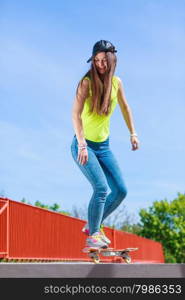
[
  {"x": 101, "y": 190},
  {"x": 122, "y": 191}
]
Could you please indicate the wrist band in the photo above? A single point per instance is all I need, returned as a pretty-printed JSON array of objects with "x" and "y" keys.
[
  {"x": 133, "y": 134},
  {"x": 82, "y": 146}
]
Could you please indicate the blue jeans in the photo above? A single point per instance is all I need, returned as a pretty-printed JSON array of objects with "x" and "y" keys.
[{"x": 102, "y": 170}]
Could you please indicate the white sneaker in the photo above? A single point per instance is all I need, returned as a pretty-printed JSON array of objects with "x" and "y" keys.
[
  {"x": 95, "y": 241},
  {"x": 104, "y": 238}
]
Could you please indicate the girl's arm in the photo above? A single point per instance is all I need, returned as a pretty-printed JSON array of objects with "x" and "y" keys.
[
  {"x": 125, "y": 109},
  {"x": 127, "y": 115},
  {"x": 82, "y": 94}
]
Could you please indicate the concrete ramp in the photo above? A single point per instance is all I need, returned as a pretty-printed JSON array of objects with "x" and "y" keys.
[{"x": 90, "y": 270}]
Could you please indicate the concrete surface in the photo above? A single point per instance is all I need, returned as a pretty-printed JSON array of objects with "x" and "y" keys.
[{"x": 85, "y": 270}]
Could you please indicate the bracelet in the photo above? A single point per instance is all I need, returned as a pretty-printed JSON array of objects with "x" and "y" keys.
[
  {"x": 133, "y": 134},
  {"x": 82, "y": 146}
]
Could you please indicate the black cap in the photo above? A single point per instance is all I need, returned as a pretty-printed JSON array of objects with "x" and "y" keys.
[{"x": 102, "y": 46}]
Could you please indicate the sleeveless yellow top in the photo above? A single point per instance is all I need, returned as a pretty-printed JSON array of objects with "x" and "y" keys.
[{"x": 97, "y": 128}]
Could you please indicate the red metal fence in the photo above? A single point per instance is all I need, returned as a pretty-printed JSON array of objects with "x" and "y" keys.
[{"x": 29, "y": 232}]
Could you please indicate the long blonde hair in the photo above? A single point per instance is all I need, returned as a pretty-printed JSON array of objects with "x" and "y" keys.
[{"x": 101, "y": 88}]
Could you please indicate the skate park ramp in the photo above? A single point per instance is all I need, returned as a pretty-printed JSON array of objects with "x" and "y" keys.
[
  {"x": 29, "y": 233},
  {"x": 91, "y": 270},
  {"x": 54, "y": 248}
]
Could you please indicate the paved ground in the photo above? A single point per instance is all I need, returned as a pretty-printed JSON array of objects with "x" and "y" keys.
[{"x": 85, "y": 270}]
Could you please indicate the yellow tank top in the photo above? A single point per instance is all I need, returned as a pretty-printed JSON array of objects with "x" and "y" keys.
[{"x": 97, "y": 128}]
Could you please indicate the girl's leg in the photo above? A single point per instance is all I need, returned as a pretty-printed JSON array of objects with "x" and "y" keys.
[
  {"x": 116, "y": 183},
  {"x": 95, "y": 175}
]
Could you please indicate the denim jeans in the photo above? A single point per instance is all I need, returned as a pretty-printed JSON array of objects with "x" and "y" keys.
[{"x": 102, "y": 171}]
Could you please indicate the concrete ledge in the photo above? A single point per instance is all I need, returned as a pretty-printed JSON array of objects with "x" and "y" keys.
[{"x": 90, "y": 270}]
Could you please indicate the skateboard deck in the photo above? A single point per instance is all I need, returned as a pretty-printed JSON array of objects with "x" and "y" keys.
[{"x": 94, "y": 253}]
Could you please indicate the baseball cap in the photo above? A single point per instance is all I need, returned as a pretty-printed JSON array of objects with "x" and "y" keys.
[{"x": 102, "y": 46}]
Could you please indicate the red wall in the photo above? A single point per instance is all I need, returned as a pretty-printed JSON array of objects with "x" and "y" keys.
[{"x": 29, "y": 232}]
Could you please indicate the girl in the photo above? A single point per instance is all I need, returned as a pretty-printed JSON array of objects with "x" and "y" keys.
[{"x": 97, "y": 94}]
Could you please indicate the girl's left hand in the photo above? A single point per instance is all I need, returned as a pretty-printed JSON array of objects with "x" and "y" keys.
[{"x": 135, "y": 143}]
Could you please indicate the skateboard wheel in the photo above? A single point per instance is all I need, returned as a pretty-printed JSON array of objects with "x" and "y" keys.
[
  {"x": 127, "y": 259},
  {"x": 96, "y": 260},
  {"x": 94, "y": 257}
]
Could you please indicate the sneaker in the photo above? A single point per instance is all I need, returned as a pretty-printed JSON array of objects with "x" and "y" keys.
[
  {"x": 103, "y": 236},
  {"x": 105, "y": 239},
  {"x": 95, "y": 241},
  {"x": 85, "y": 229}
]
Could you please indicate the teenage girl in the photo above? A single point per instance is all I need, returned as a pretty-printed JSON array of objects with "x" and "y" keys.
[{"x": 97, "y": 94}]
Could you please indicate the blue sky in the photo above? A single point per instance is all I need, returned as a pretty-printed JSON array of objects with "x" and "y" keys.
[{"x": 43, "y": 53}]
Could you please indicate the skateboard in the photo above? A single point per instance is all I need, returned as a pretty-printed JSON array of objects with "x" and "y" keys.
[{"x": 94, "y": 253}]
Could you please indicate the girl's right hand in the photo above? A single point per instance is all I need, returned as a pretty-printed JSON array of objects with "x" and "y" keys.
[{"x": 82, "y": 156}]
